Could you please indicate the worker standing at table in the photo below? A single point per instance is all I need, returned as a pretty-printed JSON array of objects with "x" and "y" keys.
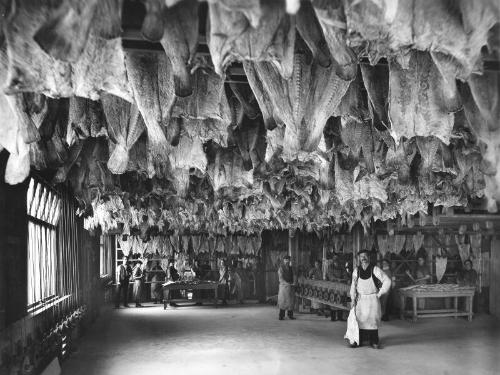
[
  {"x": 286, "y": 293},
  {"x": 316, "y": 273},
  {"x": 365, "y": 293},
  {"x": 422, "y": 277},
  {"x": 157, "y": 278},
  {"x": 172, "y": 276},
  {"x": 468, "y": 277}
]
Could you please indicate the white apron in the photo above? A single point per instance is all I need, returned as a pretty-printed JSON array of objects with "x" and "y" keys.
[
  {"x": 286, "y": 296},
  {"x": 368, "y": 311}
]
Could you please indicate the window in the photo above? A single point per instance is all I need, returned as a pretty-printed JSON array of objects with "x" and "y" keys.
[
  {"x": 105, "y": 255},
  {"x": 43, "y": 208}
]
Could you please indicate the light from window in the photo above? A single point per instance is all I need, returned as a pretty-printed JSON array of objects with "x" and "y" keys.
[
  {"x": 43, "y": 207},
  {"x": 105, "y": 255},
  {"x": 41, "y": 263}
]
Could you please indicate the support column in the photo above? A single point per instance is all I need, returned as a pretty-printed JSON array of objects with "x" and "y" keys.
[
  {"x": 357, "y": 235},
  {"x": 293, "y": 247}
]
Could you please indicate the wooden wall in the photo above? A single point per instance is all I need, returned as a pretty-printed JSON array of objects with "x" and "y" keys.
[
  {"x": 13, "y": 249},
  {"x": 16, "y": 325},
  {"x": 494, "y": 273}
]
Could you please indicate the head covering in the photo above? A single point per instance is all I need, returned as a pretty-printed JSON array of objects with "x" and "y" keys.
[
  {"x": 286, "y": 257},
  {"x": 363, "y": 252}
]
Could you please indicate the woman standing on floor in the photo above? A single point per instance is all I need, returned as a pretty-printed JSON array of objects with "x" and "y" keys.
[
  {"x": 365, "y": 294},
  {"x": 224, "y": 281},
  {"x": 137, "y": 275}
]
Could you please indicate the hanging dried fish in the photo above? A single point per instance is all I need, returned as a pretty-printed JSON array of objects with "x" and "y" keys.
[
  {"x": 124, "y": 128},
  {"x": 227, "y": 171},
  {"x": 99, "y": 68},
  {"x": 73, "y": 155},
  {"x": 153, "y": 25},
  {"x": 376, "y": 81},
  {"x": 441, "y": 263},
  {"x": 232, "y": 37},
  {"x": 187, "y": 157},
  {"x": 18, "y": 164},
  {"x": 179, "y": 40},
  {"x": 310, "y": 30},
  {"x": 303, "y": 103},
  {"x": 65, "y": 33},
  {"x": 484, "y": 125},
  {"x": 331, "y": 17},
  {"x": 151, "y": 79},
  {"x": 421, "y": 102},
  {"x": 208, "y": 100},
  {"x": 266, "y": 107}
]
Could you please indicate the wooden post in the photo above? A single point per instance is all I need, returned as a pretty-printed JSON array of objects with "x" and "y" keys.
[
  {"x": 357, "y": 233},
  {"x": 323, "y": 263},
  {"x": 293, "y": 246}
]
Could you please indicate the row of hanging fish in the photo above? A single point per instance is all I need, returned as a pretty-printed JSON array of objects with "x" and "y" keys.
[
  {"x": 168, "y": 246},
  {"x": 315, "y": 128}
]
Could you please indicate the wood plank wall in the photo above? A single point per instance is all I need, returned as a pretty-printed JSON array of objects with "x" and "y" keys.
[
  {"x": 495, "y": 277},
  {"x": 13, "y": 249}
]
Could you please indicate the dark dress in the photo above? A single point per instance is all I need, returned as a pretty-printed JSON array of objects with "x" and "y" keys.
[
  {"x": 123, "y": 279},
  {"x": 138, "y": 275},
  {"x": 173, "y": 275}
]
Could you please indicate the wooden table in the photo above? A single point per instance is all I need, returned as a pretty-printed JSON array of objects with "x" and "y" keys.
[
  {"x": 437, "y": 291},
  {"x": 189, "y": 285},
  {"x": 325, "y": 292}
]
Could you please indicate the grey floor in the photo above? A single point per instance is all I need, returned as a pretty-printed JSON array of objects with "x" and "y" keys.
[{"x": 249, "y": 339}]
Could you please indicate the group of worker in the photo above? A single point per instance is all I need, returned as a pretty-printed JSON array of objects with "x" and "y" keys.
[
  {"x": 233, "y": 281},
  {"x": 371, "y": 291},
  {"x": 137, "y": 274}
]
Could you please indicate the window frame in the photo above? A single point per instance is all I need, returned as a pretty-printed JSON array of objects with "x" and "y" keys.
[
  {"x": 105, "y": 256},
  {"x": 43, "y": 210}
]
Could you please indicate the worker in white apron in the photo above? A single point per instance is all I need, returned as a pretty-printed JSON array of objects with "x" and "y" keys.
[{"x": 365, "y": 293}]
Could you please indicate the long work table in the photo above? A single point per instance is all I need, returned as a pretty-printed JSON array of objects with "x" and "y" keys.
[
  {"x": 454, "y": 291},
  {"x": 331, "y": 293},
  {"x": 189, "y": 285}
]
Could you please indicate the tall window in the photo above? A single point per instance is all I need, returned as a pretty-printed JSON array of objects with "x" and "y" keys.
[
  {"x": 105, "y": 255},
  {"x": 43, "y": 208}
]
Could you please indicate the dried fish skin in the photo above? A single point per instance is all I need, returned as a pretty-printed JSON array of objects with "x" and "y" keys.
[
  {"x": 65, "y": 34},
  {"x": 331, "y": 17},
  {"x": 125, "y": 126},
  {"x": 421, "y": 102},
  {"x": 151, "y": 78},
  {"x": 231, "y": 37},
  {"x": 179, "y": 40}
]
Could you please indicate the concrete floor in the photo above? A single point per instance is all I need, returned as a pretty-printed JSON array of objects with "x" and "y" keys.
[{"x": 249, "y": 339}]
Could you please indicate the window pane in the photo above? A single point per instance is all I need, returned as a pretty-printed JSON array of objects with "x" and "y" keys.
[
  {"x": 29, "y": 195},
  {"x": 41, "y": 262},
  {"x": 41, "y": 207},
  {"x": 36, "y": 200},
  {"x": 57, "y": 212}
]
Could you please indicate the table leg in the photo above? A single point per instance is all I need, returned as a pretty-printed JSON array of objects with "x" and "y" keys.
[
  {"x": 415, "y": 308},
  {"x": 402, "y": 312},
  {"x": 470, "y": 308},
  {"x": 216, "y": 294},
  {"x": 455, "y": 305}
]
